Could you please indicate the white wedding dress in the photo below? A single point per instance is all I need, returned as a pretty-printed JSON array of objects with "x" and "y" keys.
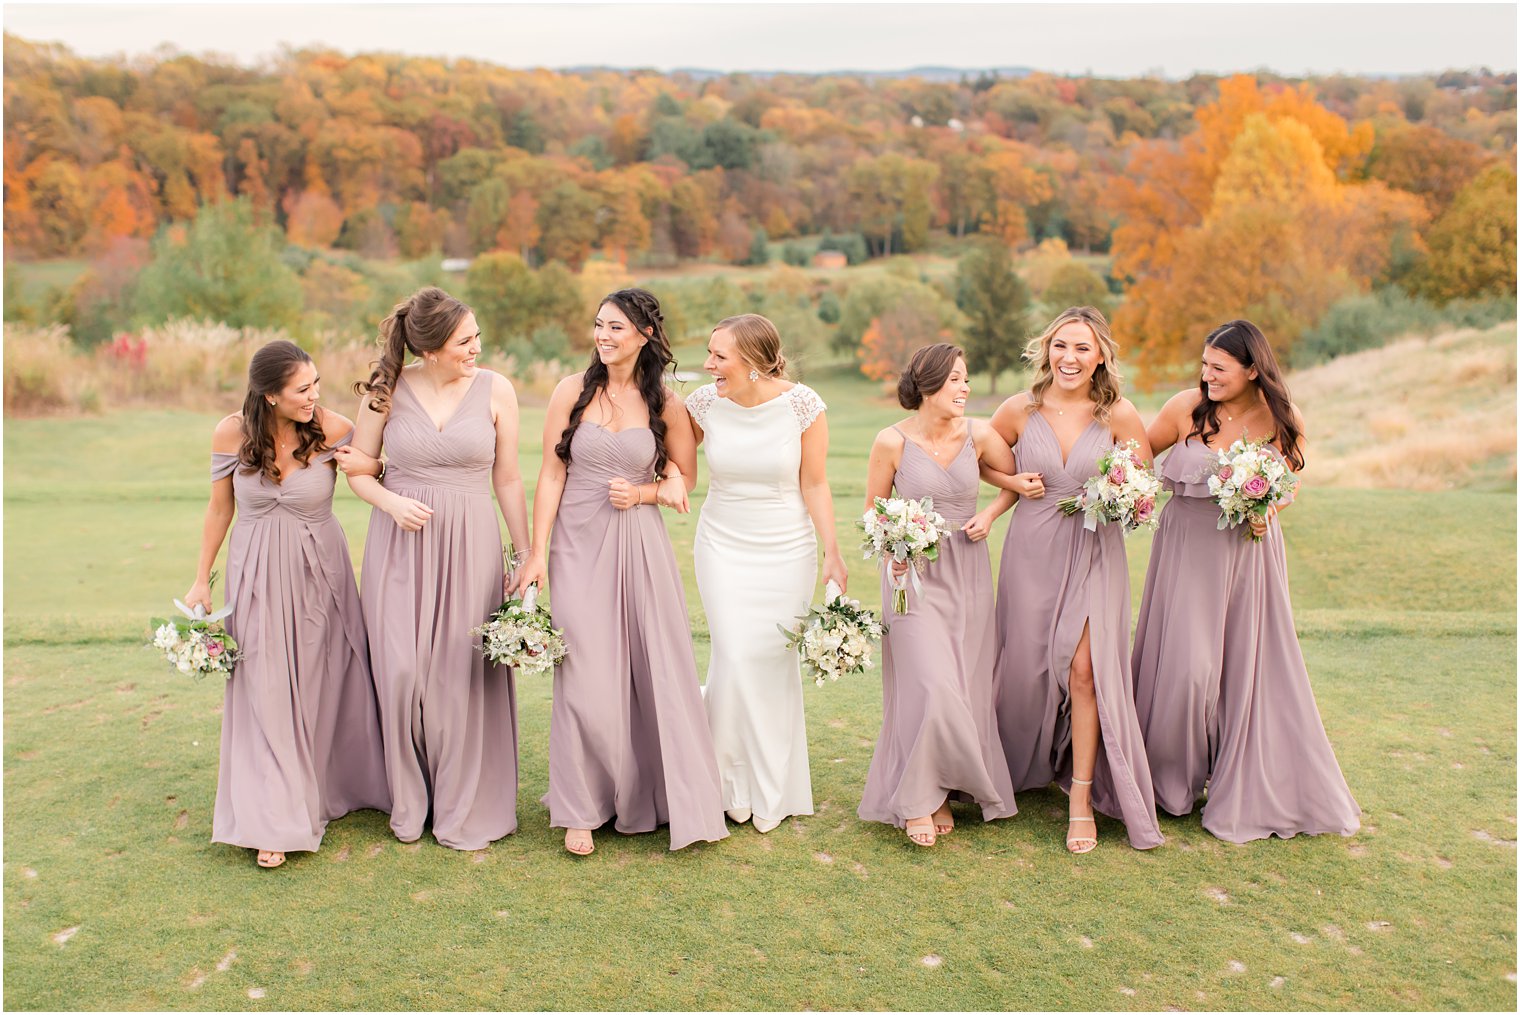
[{"x": 757, "y": 563}]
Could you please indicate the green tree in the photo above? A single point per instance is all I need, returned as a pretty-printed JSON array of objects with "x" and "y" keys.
[
  {"x": 1472, "y": 246},
  {"x": 221, "y": 267},
  {"x": 759, "y": 248},
  {"x": 1074, "y": 284},
  {"x": 996, "y": 304},
  {"x": 501, "y": 289}
]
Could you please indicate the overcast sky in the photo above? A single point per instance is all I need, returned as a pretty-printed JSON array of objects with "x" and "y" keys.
[{"x": 1116, "y": 40}]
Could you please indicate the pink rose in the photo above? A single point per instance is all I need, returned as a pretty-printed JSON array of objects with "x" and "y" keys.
[
  {"x": 1116, "y": 474},
  {"x": 213, "y": 649},
  {"x": 1144, "y": 508},
  {"x": 1256, "y": 487},
  {"x": 1225, "y": 472}
]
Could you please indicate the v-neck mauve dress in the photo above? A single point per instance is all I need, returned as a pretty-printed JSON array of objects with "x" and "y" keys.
[
  {"x": 300, "y": 736},
  {"x": 1057, "y": 576},
  {"x": 448, "y": 717},
  {"x": 939, "y": 733},
  {"x": 1220, "y": 683},
  {"x": 628, "y": 734}
]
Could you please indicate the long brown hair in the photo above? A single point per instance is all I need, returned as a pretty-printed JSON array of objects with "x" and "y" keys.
[
  {"x": 268, "y": 372},
  {"x": 1104, "y": 388},
  {"x": 1249, "y": 347},
  {"x": 655, "y": 358},
  {"x": 420, "y": 323}
]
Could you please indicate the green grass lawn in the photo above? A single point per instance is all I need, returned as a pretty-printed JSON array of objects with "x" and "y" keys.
[{"x": 115, "y": 898}]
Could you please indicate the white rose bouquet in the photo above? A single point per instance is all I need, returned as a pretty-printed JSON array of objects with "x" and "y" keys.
[
  {"x": 834, "y": 638},
  {"x": 1123, "y": 491},
  {"x": 520, "y": 634},
  {"x": 197, "y": 644},
  {"x": 1249, "y": 479},
  {"x": 903, "y": 530}
]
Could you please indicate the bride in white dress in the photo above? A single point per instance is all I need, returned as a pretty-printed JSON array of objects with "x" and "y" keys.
[{"x": 766, "y": 440}]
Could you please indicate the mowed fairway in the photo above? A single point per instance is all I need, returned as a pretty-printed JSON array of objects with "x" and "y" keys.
[{"x": 115, "y": 898}]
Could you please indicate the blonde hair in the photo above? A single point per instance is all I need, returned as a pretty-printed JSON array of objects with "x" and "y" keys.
[
  {"x": 758, "y": 342},
  {"x": 1104, "y": 387}
]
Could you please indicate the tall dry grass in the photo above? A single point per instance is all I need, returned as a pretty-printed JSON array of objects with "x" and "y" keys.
[
  {"x": 1418, "y": 414},
  {"x": 187, "y": 365}
]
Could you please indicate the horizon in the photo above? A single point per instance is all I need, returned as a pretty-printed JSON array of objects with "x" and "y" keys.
[{"x": 856, "y": 39}]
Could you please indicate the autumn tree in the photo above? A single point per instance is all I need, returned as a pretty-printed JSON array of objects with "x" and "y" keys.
[
  {"x": 996, "y": 304},
  {"x": 890, "y": 340},
  {"x": 1472, "y": 246},
  {"x": 221, "y": 267}
]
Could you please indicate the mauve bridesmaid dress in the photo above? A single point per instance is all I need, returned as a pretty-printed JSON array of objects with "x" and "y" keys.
[
  {"x": 1220, "y": 683},
  {"x": 628, "y": 734},
  {"x": 300, "y": 736},
  {"x": 449, "y": 718},
  {"x": 1058, "y": 576},
  {"x": 939, "y": 733}
]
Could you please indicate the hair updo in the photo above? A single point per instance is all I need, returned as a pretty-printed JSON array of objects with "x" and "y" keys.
[
  {"x": 423, "y": 322},
  {"x": 927, "y": 372},
  {"x": 758, "y": 342}
]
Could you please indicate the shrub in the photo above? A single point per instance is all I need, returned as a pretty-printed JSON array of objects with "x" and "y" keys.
[{"x": 1377, "y": 318}]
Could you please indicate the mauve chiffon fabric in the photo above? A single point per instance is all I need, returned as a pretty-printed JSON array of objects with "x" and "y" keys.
[
  {"x": 1056, "y": 577},
  {"x": 1221, "y": 688},
  {"x": 628, "y": 733},
  {"x": 300, "y": 737},
  {"x": 448, "y": 718},
  {"x": 939, "y": 733}
]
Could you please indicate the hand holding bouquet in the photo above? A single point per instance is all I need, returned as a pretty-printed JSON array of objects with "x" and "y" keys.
[
  {"x": 197, "y": 644},
  {"x": 834, "y": 638},
  {"x": 907, "y": 531},
  {"x": 1123, "y": 491},
  {"x": 520, "y": 634},
  {"x": 1249, "y": 479}
]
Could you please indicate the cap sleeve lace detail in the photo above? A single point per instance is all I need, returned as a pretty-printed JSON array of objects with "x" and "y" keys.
[
  {"x": 700, "y": 402},
  {"x": 806, "y": 405}
]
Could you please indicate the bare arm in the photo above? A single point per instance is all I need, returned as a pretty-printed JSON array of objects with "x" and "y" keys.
[
  {"x": 219, "y": 512},
  {"x": 1169, "y": 426},
  {"x": 551, "y": 483},
  {"x": 995, "y": 456},
  {"x": 814, "y": 480},
  {"x": 1007, "y": 425},
  {"x": 1127, "y": 426},
  {"x": 506, "y": 475}
]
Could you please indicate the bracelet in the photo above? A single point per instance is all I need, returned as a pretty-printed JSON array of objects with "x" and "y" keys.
[{"x": 380, "y": 476}]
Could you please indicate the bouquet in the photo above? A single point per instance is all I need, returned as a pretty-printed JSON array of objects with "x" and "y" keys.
[
  {"x": 1123, "y": 491},
  {"x": 521, "y": 635},
  {"x": 1248, "y": 480},
  {"x": 903, "y": 530},
  {"x": 834, "y": 638},
  {"x": 197, "y": 644}
]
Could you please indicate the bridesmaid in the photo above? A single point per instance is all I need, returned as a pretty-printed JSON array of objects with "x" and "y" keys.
[
  {"x": 1220, "y": 684},
  {"x": 628, "y": 736},
  {"x": 1065, "y": 705},
  {"x": 300, "y": 737},
  {"x": 757, "y": 562},
  {"x": 939, "y": 735},
  {"x": 433, "y": 570}
]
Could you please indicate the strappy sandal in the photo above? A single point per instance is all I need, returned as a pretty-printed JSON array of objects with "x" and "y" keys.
[
  {"x": 270, "y": 858},
  {"x": 581, "y": 845},
  {"x": 944, "y": 821},
  {"x": 921, "y": 831},
  {"x": 1080, "y": 844}
]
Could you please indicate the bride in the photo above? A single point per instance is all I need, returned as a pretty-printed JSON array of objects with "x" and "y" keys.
[{"x": 766, "y": 441}]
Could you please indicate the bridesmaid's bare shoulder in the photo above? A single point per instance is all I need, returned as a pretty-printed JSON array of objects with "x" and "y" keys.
[
  {"x": 1009, "y": 418},
  {"x": 567, "y": 391},
  {"x": 335, "y": 425},
  {"x": 1182, "y": 404},
  {"x": 889, "y": 438},
  {"x": 227, "y": 438},
  {"x": 1125, "y": 414}
]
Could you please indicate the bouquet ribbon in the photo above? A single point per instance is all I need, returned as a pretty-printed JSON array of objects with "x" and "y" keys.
[
  {"x": 199, "y": 613},
  {"x": 530, "y": 597}
]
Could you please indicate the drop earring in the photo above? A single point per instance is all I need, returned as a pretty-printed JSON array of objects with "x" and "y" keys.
[{"x": 754, "y": 375}]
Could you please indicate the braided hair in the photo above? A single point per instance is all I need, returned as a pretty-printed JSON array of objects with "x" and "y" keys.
[{"x": 641, "y": 308}]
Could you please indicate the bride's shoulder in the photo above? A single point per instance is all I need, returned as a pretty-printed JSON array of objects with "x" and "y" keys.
[
  {"x": 806, "y": 403},
  {"x": 700, "y": 402}
]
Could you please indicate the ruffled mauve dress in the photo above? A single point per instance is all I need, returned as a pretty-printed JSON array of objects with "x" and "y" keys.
[
  {"x": 939, "y": 733},
  {"x": 300, "y": 736},
  {"x": 628, "y": 733},
  {"x": 449, "y": 718},
  {"x": 1057, "y": 577},
  {"x": 1220, "y": 684}
]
